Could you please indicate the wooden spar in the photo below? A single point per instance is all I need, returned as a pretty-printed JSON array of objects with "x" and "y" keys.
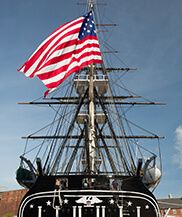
[
  {"x": 71, "y": 102},
  {"x": 136, "y": 103},
  {"x": 106, "y": 100},
  {"x": 110, "y": 51},
  {"x": 104, "y": 97},
  {"x": 104, "y": 136},
  {"x": 109, "y": 69},
  {"x": 75, "y": 99},
  {"x": 106, "y": 24}
]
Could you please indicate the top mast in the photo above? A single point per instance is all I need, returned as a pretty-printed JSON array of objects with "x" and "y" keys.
[{"x": 90, "y": 5}]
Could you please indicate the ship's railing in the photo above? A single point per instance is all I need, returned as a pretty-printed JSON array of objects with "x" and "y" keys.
[
  {"x": 86, "y": 77},
  {"x": 88, "y": 182},
  {"x": 100, "y": 82}
]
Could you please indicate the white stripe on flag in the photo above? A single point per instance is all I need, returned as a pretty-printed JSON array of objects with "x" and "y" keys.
[
  {"x": 64, "y": 62},
  {"x": 56, "y": 32},
  {"x": 71, "y": 66},
  {"x": 33, "y": 67},
  {"x": 71, "y": 48}
]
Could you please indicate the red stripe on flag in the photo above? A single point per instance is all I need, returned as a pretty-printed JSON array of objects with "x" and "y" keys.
[
  {"x": 37, "y": 54},
  {"x": 63, "y": 53},
  {"x": 75, "y": 69},
  {"x": 64, "y": 68},
  {"x": 30, "y": 62},
  {"x": 69, "y": 54}
]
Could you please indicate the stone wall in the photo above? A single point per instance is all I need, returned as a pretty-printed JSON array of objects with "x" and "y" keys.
[{"x": 9, "y": 201}]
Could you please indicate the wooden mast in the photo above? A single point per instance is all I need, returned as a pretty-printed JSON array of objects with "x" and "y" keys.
[
  {"x": 91, "y": 122},
  {"x": 91, "y": 111}
]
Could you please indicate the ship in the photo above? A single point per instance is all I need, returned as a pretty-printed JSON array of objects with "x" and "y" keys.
[{"x": 90, "y": 160}]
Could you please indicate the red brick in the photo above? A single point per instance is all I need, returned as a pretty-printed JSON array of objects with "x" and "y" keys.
[{"x": 10, "y": 200}]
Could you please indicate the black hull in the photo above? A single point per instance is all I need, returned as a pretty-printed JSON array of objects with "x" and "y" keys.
[{"x": 45, "y": 199}]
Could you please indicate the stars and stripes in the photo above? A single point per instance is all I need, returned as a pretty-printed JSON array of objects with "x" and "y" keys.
[{"x": 68, "y": 49}]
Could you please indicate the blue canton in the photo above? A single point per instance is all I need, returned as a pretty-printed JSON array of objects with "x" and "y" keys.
[{"x": 88, "y": 27}]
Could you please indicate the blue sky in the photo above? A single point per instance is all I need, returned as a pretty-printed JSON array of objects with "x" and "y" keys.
[{"x": 148, "y": 37}]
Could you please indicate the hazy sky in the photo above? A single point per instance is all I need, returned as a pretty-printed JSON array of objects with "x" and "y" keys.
[{"x": 148, "y": 37}]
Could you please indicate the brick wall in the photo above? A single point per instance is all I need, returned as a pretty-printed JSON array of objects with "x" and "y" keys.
[
  {"x": 174, "y": 212},
  {"x": 10, "y": 200},
  {"x": 171, "y": 207}
]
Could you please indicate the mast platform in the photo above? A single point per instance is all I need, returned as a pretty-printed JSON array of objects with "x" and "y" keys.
[{"x": 100, "y": 82}]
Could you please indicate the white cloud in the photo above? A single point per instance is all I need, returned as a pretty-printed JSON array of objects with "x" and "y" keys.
[{"x": 178, "y": 155}]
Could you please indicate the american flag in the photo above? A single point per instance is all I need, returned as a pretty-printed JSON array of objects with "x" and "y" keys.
[{"x": 68, "y": 49}]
